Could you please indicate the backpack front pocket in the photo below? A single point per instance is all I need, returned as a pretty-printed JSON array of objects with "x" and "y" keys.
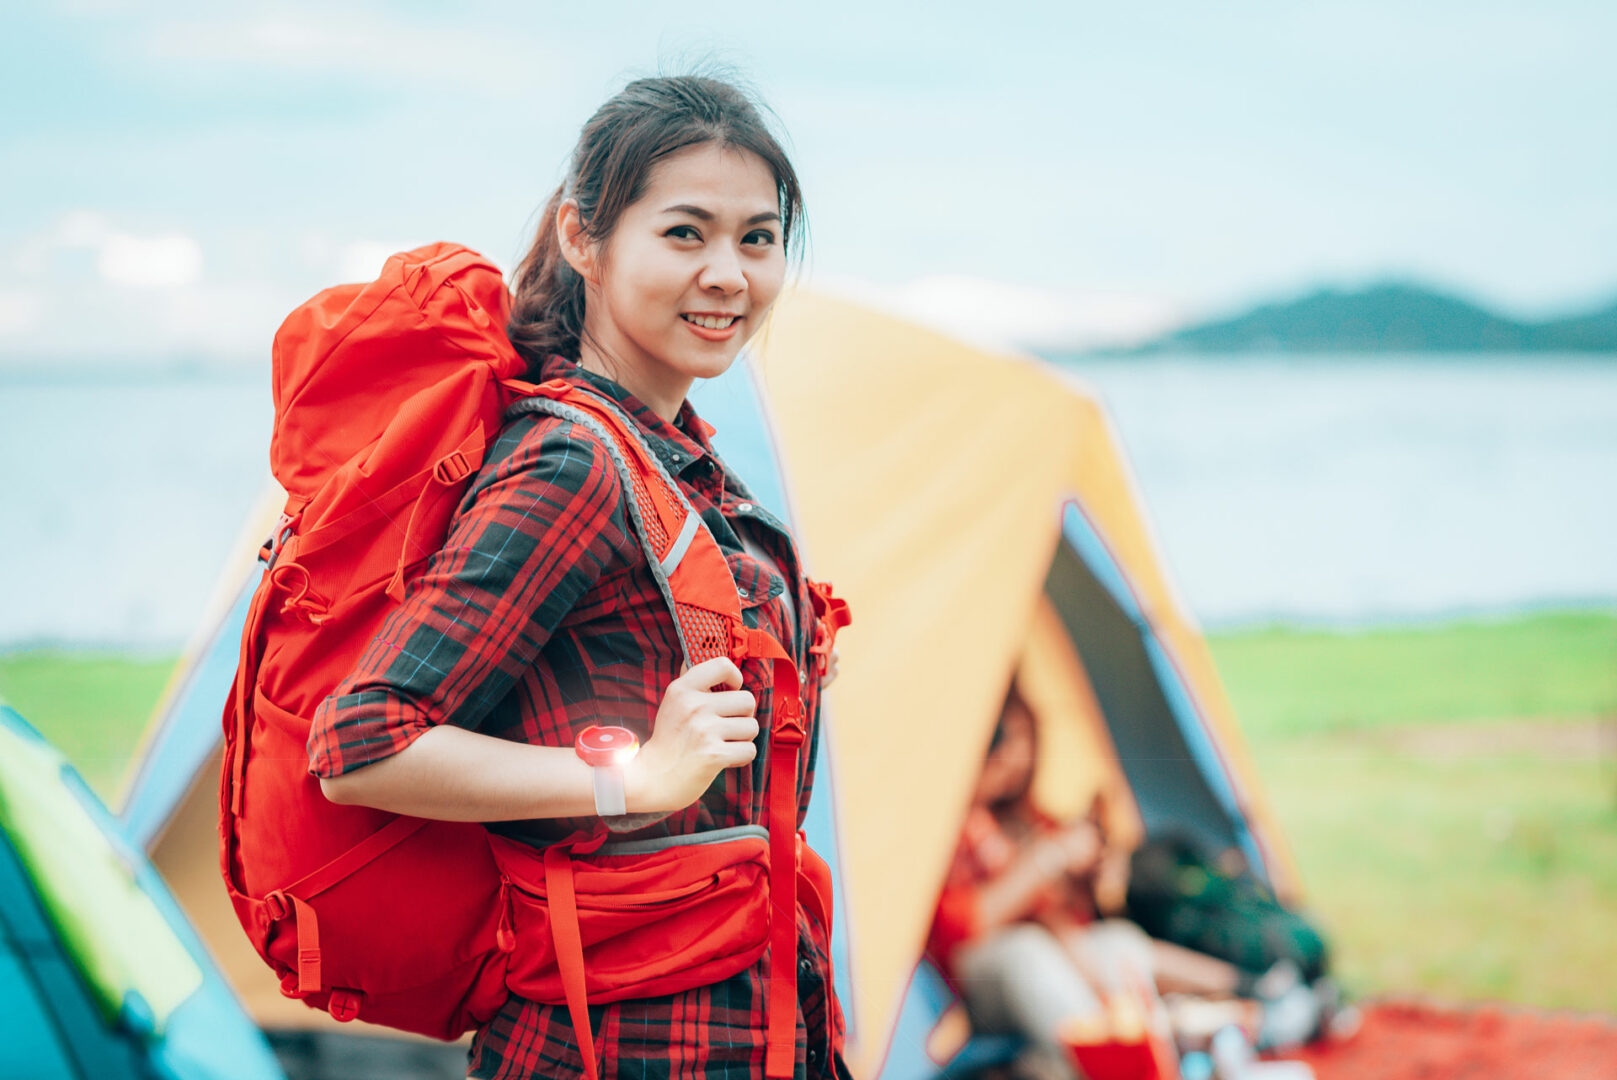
[{"x": 651, "y": 922}]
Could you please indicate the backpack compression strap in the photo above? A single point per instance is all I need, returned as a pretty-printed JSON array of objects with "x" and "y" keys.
[
  {"x": 786, "y": 734},
  {"x": 700, "y": 591}
]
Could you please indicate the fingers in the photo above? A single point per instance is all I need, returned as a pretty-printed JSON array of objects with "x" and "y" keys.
[
  {"x": 736, "y": 728},
  {"x": 738, "y": 753},
  {"x": 734, "y": 703},
  {"x": 709, "y": 674}
]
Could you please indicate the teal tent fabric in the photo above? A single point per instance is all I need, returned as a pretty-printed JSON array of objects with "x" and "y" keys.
[{"x": 78, "y": 998}]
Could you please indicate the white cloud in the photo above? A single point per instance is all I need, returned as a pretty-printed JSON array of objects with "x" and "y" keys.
[
  {"x": 362, "y": 260},
  {"x": 138, "y": 260},
  {"x": 150, "y": 261},
  {"x": 497, "y": 62},
  {"x": 82, "y": 228},
  {"x": 203, "y": 322},
  {"x": 151, "y": 297},
  {"x": 20, "y": 312},
  {"x": 231, "y": 321},
  {"x": 1001, "y": 314}
]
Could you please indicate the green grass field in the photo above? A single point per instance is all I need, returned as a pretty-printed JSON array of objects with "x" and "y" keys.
[
  {"x": 1450, "y": 791},
  {"x": 93, "y": 706}
]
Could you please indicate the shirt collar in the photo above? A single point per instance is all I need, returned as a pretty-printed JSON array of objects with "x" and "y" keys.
[{"x": 679, "y": 444}]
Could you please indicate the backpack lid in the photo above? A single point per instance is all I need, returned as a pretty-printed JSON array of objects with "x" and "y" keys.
[{"x": 356, "y": 353}]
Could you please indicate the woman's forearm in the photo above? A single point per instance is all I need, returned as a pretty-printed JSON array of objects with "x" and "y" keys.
[
  {"x": 453, "y": 774},
  {"x": 705, "y": 724},
  {"x": 1011, "y": 896}
]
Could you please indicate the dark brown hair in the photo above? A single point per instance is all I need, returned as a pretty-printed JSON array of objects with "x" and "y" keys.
[{"x": 640, "y": 125}]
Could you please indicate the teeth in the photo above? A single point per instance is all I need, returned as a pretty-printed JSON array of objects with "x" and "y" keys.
[{"x": 710, "y": 322}]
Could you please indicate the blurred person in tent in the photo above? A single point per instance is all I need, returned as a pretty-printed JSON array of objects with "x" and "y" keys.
[{"x": 1020, "y": 934}]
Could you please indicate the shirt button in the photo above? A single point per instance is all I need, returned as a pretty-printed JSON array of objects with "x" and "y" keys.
[
  {"x": 806, "y": 966},
  {"x": 744, "y": 508},
  {"x": 802, "y": 678},
  {"x": 813, "y": 1057}
]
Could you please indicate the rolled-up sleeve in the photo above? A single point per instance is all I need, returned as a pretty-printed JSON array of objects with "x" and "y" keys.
[{"x": 542, "y": 523}]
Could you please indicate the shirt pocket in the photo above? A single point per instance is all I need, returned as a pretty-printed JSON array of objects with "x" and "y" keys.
[{"x": 756, "y": 583}]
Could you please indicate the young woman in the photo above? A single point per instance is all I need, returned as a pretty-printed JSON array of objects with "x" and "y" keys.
[
  {"x": 1019, "y": 932},
  {"x": 655, "y": 262}
]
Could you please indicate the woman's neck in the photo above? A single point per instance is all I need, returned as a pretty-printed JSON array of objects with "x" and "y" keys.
[{"x": 662, "y": 396}]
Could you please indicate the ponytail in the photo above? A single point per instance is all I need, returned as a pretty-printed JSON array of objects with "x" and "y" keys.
[{"x": 547, "y": 295}]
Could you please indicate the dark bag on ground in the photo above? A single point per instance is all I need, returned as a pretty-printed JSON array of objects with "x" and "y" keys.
[{"x": 1178, "y": 893}]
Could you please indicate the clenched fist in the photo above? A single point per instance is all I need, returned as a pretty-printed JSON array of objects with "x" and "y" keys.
[{"x": 705, "y": 724}]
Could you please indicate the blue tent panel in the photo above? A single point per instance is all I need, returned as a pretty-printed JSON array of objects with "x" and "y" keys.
[
  {"x": 189, "y": 733},
  {"x": 29, "y": 1041}
]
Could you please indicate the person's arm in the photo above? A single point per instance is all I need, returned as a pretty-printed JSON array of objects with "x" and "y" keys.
[
  {"x": 1042, "y": 862},
  {"x": 452, "y": 774},
  {"x": 400, "y": 732}
]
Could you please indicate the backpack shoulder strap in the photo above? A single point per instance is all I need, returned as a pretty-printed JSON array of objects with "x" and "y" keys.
[{"x": 679, "y": 550}]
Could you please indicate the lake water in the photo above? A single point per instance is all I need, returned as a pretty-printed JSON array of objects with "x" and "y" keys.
[
  {"x": 1313, "y": 490},
  {"x": 1354, "y": 489}
]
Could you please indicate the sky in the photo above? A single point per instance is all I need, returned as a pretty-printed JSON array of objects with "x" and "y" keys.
[{"x": 175, "y": 177}]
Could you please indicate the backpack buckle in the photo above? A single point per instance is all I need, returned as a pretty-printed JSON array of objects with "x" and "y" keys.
[
  {"x": 451, "y": 468},
  {"x": 788, "y": 729},
  {"x": 285, "y": 525},
  {"x": 822, "y": 639}
]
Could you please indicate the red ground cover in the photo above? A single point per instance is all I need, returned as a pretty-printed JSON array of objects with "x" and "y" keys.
[{"x": 1406, "y": 1040}]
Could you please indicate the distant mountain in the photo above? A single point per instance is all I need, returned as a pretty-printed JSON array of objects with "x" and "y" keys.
[
  {"x": 1594, "y": 332},
  {"x": 1388, "y": 317}
]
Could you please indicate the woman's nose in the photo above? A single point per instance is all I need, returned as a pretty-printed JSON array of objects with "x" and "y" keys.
[{"x": 722, "y": 271}]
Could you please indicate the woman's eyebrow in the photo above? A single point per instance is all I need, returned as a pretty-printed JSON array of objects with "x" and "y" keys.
[{"x": 706, "y": 215}]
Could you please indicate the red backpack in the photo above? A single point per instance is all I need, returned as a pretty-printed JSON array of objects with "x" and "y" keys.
[{"x": 386, "y": 397}]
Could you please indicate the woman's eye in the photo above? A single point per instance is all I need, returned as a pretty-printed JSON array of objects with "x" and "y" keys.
[
  {"x": 760, "y": 237},
  {"x": 684, "y": 232}
]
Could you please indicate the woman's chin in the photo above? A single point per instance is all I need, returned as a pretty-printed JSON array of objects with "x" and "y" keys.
[{"x": 707, "y": 365}]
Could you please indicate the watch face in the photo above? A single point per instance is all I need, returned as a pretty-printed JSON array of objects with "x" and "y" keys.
[{"x": 605, "y": 746}]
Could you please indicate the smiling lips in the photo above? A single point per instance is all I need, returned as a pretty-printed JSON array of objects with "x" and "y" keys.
[{"x": 711, "y": 326}]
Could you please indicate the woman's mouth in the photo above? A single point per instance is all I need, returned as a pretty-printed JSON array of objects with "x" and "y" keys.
[{"x": 711, "y": 327}]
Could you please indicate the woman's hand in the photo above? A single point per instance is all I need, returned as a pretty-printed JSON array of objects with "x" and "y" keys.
[
  {"x": 829, "y": 675},
  {"x": 705, "y": 724},
  {"x": 1074, "y": 850}
]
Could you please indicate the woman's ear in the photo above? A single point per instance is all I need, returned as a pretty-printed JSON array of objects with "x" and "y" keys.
[{"x": 576, "y": 246}]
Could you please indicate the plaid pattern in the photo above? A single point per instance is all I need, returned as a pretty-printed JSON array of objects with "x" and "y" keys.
[{"x": 540, "y": 617}]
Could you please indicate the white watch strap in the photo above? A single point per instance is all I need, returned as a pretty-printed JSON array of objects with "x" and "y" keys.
[{"x": 609, "y": 797}]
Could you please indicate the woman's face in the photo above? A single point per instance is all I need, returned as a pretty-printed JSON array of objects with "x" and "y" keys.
[
  {"x": 1010, "y": 764},
  {"x": 690, "y": 270}
]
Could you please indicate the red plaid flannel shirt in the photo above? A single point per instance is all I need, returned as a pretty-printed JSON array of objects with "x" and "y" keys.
[{"x": 540, "y": 617}]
